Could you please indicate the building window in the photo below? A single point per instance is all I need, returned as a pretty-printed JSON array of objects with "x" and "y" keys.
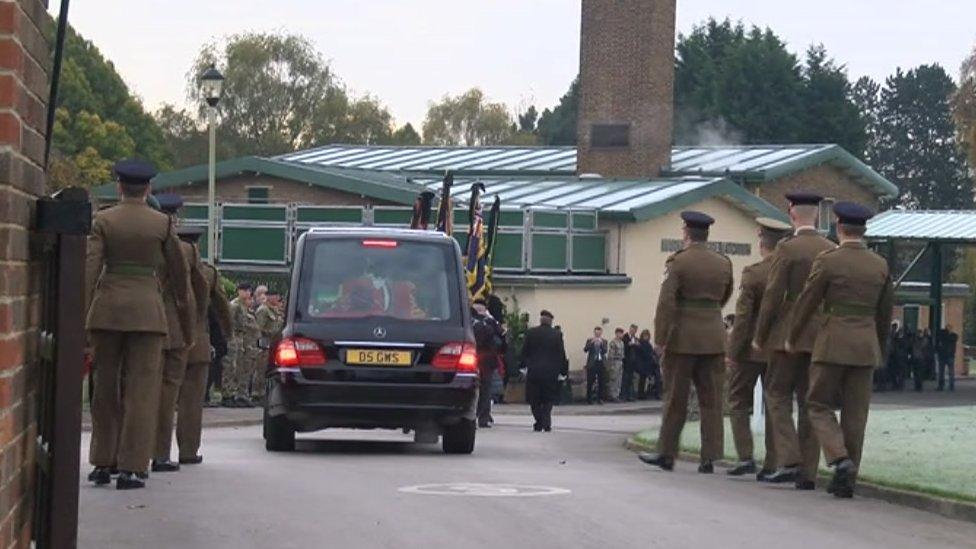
[
  {"x": 826, "y": 221},
  {"x": 258, "y": 195}
]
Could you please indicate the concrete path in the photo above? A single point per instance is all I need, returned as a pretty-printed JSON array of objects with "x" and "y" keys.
[{"x": 575, "y": 487}]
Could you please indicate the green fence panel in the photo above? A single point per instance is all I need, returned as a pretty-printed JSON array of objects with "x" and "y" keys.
[
  {"x": 589, "y": 252},
  {"x": 255, "y": 213},
  {"x": 549, "y": 252},
  {"x": 508, "y": 251},
  {"x": 462, "y": 240},
  {"x": 253, "y": 244},
  {"x": 330, "y": 215},
  {"x": 511, "y": 218},
  {"x": 194, "y": 212},
  {"x": 392, "y": 217},
  {"x": 586, "y": 221},
  {"x": 461, "y": 218},
  {"x": 202, "y": 245},
  {"x": 549, "y": 220}
]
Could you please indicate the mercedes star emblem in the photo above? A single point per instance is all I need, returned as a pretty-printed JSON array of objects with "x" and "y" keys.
[{"x": 379, "y": 332}]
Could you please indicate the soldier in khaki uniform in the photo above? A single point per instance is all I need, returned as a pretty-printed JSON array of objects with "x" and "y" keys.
[
  {"x": 130, "y": 248},
  {"x": 268, "y": 323},
  {"x": 797, "y": 452},
  {"x": 852, "y": 285},
  {"x": 176, "y": 349},
  {"x": 690, "y": 334},
  {"x": 236, "y": 370},
  {"x": 746, "y": 364},
  {"x": 189, "y": 406}
]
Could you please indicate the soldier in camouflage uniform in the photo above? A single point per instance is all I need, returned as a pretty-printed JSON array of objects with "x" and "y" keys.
[
  {"x": 251, "y": 354},
  {"x": 235, "y": 385},
  {"x": 269, "y": 323}
]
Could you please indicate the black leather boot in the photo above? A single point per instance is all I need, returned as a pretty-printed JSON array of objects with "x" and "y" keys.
[
  {"x": 664, "y": 462},
  {"x": 129, "y": 481}
]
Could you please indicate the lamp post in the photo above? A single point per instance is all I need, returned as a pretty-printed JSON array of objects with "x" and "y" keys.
[{"x": 212, "y": 85}]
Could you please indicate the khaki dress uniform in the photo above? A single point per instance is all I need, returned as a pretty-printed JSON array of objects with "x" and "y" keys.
[
  {"x": 853, "y": 287},
  {"x": 789, "y": 371},
  {"x": 130, "y": 248},
  {"x": 177, "y": 348},
  {"x": 189, "y": 406},
  {"x": 688, "y": 323}
]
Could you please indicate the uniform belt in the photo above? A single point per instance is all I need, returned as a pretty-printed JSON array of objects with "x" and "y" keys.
[
  {"x": 849, "y": 309},
  {"x": 130, "y": 269},
  {"x": 699, "y": 304}
]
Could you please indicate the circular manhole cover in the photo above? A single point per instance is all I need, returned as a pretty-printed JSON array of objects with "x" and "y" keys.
[{"x": 484, "y": 490}]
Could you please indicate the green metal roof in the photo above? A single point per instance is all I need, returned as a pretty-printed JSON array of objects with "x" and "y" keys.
[
  {"x": 924, "y": 225},
  {"x": 747, "y": 162}
]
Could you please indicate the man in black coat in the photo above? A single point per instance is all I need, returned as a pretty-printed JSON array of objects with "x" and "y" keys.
[
  {"x": 544, "y": 357},
  {"x": 490, "y": 340}
]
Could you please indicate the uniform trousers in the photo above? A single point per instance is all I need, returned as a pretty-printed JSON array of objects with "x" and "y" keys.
[
  {"x": 614, "y": 373},
  {"x": 236, "y": 371},
  {"x": 796, "y": 444},
  {"x": 680, "y": 372},
  {"x": 259, "y": 364},
  {"x": 541, "y": 394},
  {"x": 486, "y": 365},
  {"x": 174, "y": 370},
  {"x": 190, "y": 409},
  {"x": 742, "y": 383},
  {"x": 125, "y": 403},
  {"x": 851, "y": 387}
]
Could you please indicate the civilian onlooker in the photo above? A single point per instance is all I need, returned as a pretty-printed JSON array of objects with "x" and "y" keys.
[
  {"x": 596, "y": 356},
  {"x": 615, "y": 365},
  {"x": 648, "y": 368},
  {"x": 947, "y": 357},
  {"x": 630, "y": 356}
]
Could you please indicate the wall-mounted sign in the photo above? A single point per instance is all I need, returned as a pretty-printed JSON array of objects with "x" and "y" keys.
[{"x": 727, "y": 248}]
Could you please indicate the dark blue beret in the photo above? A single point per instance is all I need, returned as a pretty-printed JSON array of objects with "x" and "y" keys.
[
  {"x": 804, "y": 198},
  {"x": 697, "y": 220},
  {"x": 850, "y": 213},
  {"x": 133, "y": 170},
  {"x": 169, "y": 203},
  {"x": 190, "y": 234}
]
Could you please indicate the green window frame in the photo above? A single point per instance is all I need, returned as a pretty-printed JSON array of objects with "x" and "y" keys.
[
  {"x": 549, "y": 220},
  {"x": 549, "y": 252},
  {"x": 258, "y": 194},
  {"x": 508, "y": 251},
  {"x": 589, "y": 252}
]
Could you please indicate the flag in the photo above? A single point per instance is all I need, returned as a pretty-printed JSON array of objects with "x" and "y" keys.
[
  {"x": 445, "y": 212},
  {"x": 491, "y": 236},
  {"x": 421, "y": 210},
  {"x": 476, "y": 260}
]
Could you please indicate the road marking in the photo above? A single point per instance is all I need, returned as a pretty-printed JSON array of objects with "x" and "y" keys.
[{"x": 484, "y": 490}]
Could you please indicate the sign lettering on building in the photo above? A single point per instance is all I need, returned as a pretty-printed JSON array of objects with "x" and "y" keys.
[{"x": 728, "y": 248}]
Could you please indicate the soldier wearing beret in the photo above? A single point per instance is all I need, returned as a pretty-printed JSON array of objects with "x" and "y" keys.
[
  {"x": 177, "y": 346},
  {"x": 237, "y": 368},
  {"x": 797, "y": 453},
  {"x": 130, "y": 250},
  {"x": 544, "y": 359},
  {"x": 852, "y": 285},
  {"x": 747, "y": 365},
  {"x": 690, "y": 333}
]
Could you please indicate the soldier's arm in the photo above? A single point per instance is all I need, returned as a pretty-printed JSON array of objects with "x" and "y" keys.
[
  {"x": 741, "y": 336},
  {"x": 773, "y": 296},
  {"x": 179, "y": 280},
  {"x": 198, "y": 282},
  {"x": 667, "y": 305},
  {"x": 882, "y": 317},
  {"x": 94, "y": 261},
  {"x": 562, "y": 356},
  {"x": 810, "y": 299},
  {"x": 729, "y": 285},
  {"x": 218, "y": 300}
]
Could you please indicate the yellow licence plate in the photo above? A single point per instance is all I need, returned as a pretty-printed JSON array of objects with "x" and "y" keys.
[{"x": 375, "y": 357}]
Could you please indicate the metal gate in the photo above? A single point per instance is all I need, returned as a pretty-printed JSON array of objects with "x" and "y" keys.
[{"x": 63, "y": 222}]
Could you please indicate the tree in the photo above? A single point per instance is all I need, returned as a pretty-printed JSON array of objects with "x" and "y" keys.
[
  {"x": 830, "y": 111},
  {"x": 280, "y": 95},
  {"x": 406, "y": 135},
  {"x": 467, "y": 119},
  {"x": 98, "y": 120},
  {"x": 527, "y": 120},
  {"x": 964, "y": 107},
  {"x": 916, "y": 146},
  {"x": 866, "y": 95},
  {"x": 558, "y": 126}
]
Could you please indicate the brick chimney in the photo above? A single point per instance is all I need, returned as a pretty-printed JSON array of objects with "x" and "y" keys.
[{"x": 626, "y": 87}]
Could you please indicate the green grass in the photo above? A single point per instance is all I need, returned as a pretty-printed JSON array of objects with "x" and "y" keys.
[{"x": 929, "y": 450}]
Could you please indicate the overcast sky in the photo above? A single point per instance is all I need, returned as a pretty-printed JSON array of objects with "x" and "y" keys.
[{"x": 520, "y": 52}]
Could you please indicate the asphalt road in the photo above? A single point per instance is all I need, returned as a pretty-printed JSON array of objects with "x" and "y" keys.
[{"x": 359, "y": 490}]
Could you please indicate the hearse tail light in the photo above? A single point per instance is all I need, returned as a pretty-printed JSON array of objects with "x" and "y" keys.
[
  {"x": 380, "y": 243},
  {"x": 298, "y": 352},
  {"x": 457, "y": 357}
]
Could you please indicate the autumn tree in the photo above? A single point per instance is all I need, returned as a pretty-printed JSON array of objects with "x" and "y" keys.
[{"x": 467, "y": 119}]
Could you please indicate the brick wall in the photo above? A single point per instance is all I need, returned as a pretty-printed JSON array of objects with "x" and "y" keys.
[
  {"x": 627, "y": 77},
  {"x": 829, "y": 181},
  {"x": 234, "y": 189},
  {"x": 24, "y": 69}
]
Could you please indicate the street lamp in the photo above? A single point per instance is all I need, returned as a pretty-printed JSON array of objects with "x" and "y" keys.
[{"x": 212, "y": 85}]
